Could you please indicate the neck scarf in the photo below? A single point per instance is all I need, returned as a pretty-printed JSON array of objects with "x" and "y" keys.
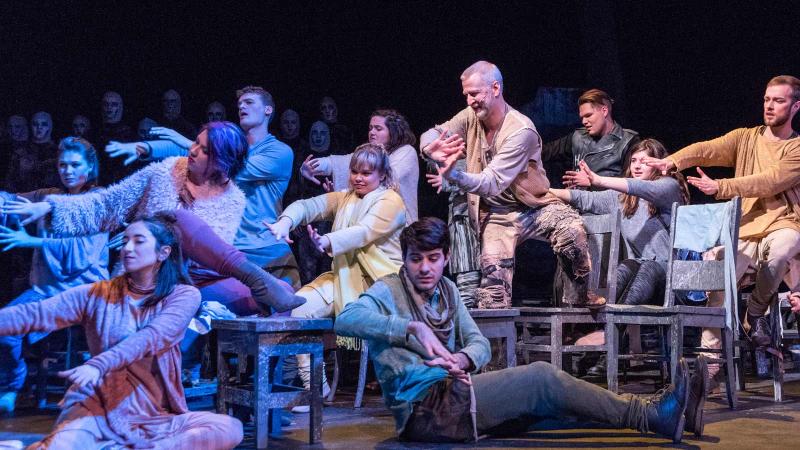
[{"x": 440, "y": 319}]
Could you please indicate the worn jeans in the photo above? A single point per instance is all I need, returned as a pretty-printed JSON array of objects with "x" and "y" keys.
[
  {"x": 763, "y": 262},
  {"x": 501, "y": 233},
  {"x": 13, "y": 369},
  {"x": 524, "y": 394}
]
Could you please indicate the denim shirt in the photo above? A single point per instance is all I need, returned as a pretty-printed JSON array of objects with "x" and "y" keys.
[{"x": 381, "y": 316}]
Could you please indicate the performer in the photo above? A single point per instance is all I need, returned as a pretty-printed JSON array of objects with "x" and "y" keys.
[
  {"x": 424, "y": 345},
  {"x": 508, "y": 197},
  {"x": 766, "y": 160},
  {"x": 59, "y": 263},
  {"x": 208, "y": 206},
  {"x": 129, "y": 393},
  {"x": 367, "y": 220},
  {"x": 390, "y": 129},
  {"x": 645, "y": 197},
  {"x": 602, "y": 143}
]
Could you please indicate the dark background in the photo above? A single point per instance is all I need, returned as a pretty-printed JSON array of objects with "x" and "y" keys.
[{"x": 679, "y": 71}]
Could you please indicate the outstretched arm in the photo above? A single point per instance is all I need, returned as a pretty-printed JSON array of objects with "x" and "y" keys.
[{"x": 57, "y": 312}]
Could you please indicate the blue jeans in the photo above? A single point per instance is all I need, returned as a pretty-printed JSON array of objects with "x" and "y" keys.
[{"x": 12, "y": 368}]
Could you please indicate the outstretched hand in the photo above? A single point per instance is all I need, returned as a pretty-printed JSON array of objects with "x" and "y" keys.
[
  {"x": 583, "y": 177},
  {"x": 444, "y": 146},
  {"x": 24, "y": 208},
  {"x": 321, "y": 242},
  {"x": 663, "y": 165},
  {"x": 794, "y": 300},
  {"x": 17, "y": 238},
  {"x": 83, "y": 375},
  {"x": 171, "y": 135},
  {"x": 310, "y": 169},
  {"x": 435, "y": 180},
  {"x": 281, "y": 229},
  {"x": 128, "y": 150},
  {"x": 707, "y": 185}
]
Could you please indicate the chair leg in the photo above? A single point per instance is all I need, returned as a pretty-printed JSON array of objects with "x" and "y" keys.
[
  {"x": 612, "y": 355},
  {"x": 729, "y": 367},
  {"x": 676, "y": 346},
  {"x": 777, "y": 360},
  {"x": 362, "y": 374},
  {"x": 337, "y": 363},
  {"x": 556, "y": 342}
]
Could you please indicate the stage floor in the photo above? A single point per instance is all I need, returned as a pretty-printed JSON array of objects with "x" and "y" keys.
[{"x": 757, "y": 423}]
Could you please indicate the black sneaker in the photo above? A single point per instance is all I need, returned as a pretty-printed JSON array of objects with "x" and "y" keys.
[{"x": 665, "y": 411}]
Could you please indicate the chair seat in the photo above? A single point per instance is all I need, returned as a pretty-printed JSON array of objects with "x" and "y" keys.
[{"x": 661, "y": 310}]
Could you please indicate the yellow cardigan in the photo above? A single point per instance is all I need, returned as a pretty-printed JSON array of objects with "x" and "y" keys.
[{"x": 365, "y": 239}]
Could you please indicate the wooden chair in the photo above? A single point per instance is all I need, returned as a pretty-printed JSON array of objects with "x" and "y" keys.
[
  {"x": 685, "y": 276},
  {"x": 604, "y": 237}
]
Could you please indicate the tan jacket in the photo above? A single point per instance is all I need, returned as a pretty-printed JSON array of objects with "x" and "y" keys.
[
  {"x": 516, "y": 163},
  {"x": 767, "y": 174}
]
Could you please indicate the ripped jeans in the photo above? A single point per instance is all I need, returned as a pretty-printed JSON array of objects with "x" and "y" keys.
[{"x": 556, "y": 223}]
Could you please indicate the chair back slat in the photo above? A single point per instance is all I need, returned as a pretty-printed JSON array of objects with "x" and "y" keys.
[
  {"x": 697, "y": 275},
  {"x": 603, "y": 233}
]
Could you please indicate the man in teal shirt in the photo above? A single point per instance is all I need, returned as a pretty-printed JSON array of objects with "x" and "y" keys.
[{"x": 425, "y": 346}]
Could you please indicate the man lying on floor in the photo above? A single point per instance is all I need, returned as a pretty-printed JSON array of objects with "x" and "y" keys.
[{"x": 425, "y": 345}]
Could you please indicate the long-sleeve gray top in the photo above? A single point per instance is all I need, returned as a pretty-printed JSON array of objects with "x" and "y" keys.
[{"x": 645, "y": 237}]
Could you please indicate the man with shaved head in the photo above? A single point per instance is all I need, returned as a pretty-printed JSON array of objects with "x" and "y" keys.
[{"x": 507, "y": 189}]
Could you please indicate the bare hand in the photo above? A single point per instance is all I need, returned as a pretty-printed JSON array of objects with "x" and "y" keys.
[
  {"x": 453, "y": 368},
  {"x": 309, "y": 169},
  {"x": 664, "y": 165},
  {"x": 171, "y": 135},
  {"x": 435, "y": 180},
  {"x": 322, "y": 243},
  {"x": 327, "y": 185},
  {"x": 449, "y": 163},
  {"x": 707, "y": 185},
  {"x": 444, "y": 146},
  {"x": 433, "y": 346},
  {"x": 24, "y": 208},
  {"x": 84, "y": 375},
  {"x": 281, "y": 229},
  {"x": 794, "y": 300},
  {"x": 17, "y": 238},
  {"x": 124, "y": 149}
]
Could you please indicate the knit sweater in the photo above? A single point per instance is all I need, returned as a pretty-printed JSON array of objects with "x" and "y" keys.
[
  {"x": 765, "y": 173},
  {"x": 645, "y": 237},
  {"x": 152, "y": 189}
]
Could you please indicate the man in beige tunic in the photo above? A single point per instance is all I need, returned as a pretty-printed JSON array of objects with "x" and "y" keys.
[
  {"x": 507, "y": 189},
  {"x": 766, "y": 160}
]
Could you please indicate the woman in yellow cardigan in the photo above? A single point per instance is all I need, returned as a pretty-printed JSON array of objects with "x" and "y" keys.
[{"x": 364, "y": 242}]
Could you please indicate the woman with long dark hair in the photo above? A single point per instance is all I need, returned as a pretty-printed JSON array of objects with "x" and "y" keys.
[
  {"x": 129, "y": 392},
  {"x": 59, "y": 262}
]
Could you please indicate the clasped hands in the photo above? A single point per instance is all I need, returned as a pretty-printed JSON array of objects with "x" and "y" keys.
[{"x": 456, "y": 364}]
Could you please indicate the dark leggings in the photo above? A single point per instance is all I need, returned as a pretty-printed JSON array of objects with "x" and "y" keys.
[{"x": 640, "y": 282}]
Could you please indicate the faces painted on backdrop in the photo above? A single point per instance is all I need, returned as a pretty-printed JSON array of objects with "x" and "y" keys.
[
  {"x": 252, "y": 111},
  {"x": 215, "y": 112},
  {"x": 139, "y": 252},
  {"x": 425, "y": 268},
  {"x": 171, "y": 104},
  {"x": 41, "y": 127},
  {"x": 290, "y": 124},
  {"x": 378, "y": 132},
  {"x": 198, "y": 154},
  {"x": 18, "y": 128},
  {"x": 111, "y": 107},
  {"x": 778, "y": 105},
  {"x": 74, "y": 171},
  {"x": 319, "y": 137},
  {"x": 328, "y": 110},
  {"x": 81, "y": 126},
  {"x": 480, "y": 95}
]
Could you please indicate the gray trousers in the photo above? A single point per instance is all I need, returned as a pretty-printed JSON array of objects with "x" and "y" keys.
[{"x": 521, "y": 395}]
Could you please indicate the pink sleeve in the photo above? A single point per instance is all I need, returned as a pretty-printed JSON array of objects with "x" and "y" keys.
[
  {"x": 57, "y": 312},
  {"x": 164, "y": 331}
]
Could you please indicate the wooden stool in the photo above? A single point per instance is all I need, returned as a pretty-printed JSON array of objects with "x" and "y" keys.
[
  {"x": 499, "y": 324},
  {"x": 268, "y": 340}
]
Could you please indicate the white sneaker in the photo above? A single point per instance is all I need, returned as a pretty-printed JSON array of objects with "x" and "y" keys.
[{"x": 305, "y": 409}]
